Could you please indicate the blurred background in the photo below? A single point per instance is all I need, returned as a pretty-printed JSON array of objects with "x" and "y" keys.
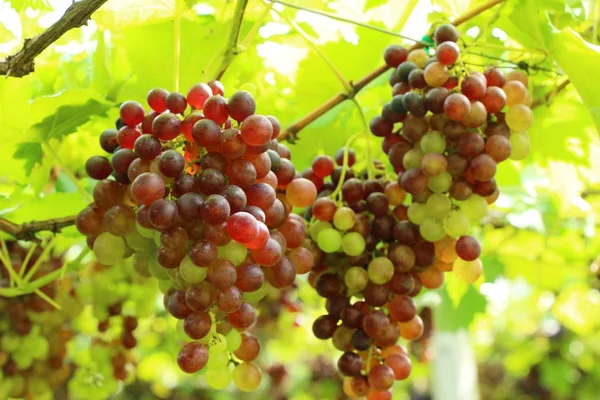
[{"x": 529, "y": 329}]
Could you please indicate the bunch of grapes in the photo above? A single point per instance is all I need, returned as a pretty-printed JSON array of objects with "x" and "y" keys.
[
  {"x": 199, "y": 189},
  {"x": 457, "y": 126},
  {"x": 368, "y": 266},
  {"x": 33, "y": 333}
]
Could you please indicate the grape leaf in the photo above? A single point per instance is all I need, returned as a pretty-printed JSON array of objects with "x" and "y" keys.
[
  {"x": 21, "y": 5},
  {"x": 580, "y": 60},
  {"x": 67, "y": 118},
  {"x": 450, "y": 318},
  {"x": 31, "y": 152}
]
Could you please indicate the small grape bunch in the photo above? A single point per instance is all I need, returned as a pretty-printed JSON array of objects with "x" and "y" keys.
[
  {"x": 34, "y": 335},
  {"x": 445, "y": 131},
  {"x": 369, "y": 264},
  {"x": 201, "y": 193}
]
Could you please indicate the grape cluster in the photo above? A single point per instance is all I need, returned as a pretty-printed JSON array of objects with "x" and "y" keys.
[
  {"x": 34, "y": 334},
  {"x": 368, "y": 266},
  {"x": 457, "y": 126},
  {"x": 199, "y": 189},
  {"x": 381, "y": 239}
]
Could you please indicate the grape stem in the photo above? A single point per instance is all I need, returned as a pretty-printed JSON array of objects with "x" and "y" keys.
[
  {"x": 22, "y": 63},
  {"x": 27, "y": 230},
  {"x": 367, "y": 136},
  {"x": 233, "y": 48},
  {"x": 545, "y": 99},
  {"x": 291, "y": 132},
  {"x": 337, "y": 193}
]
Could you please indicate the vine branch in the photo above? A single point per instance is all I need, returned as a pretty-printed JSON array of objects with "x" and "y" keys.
[
  {"x": 232, "y": 48},
  {"x": 22, "y": 63},
  {"x": 27, "y": 230},
  {"x": 291, "y": 132},
  {"x": 548, "y": 96}
]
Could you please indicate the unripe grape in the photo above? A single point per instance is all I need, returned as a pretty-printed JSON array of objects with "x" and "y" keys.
[
  {"x": 433, "y": 142},
  {"x": 475, "y": 208},
  {"x": 353, "y": 243},
  {"x": 329, "y": 240},
  {"x": 519, "y": 118},
  {"x": 344, "y": 218},
  {"x": 380, "y": 270},
  {"x": 356, "y": 278},
  {"x": 438, "y": 205},
  {"x": 456, "y": 223},
  {"x": 432, "y": 230},
  {"x": 440, "y": 183},
  {"x": 467, "y": 271}
]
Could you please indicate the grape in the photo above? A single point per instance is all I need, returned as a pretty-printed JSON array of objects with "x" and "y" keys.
[
  {"x": 268, "y": 255},
  {"x": 344, "y": 218},
  {"x": 198, "y": 94},
  {"x": 380, "y": 270},
  {"x": 176, "y": 103},
  {"x": 467, "y": 248},
  {"x": 418, "y": 56},
  {"x": 520, "y": 146},
  {"x": 215, "y": 108},
  {"x": 471, "y": 144},
  {"x": 190, "y": 272},
  {"x": 475, "y": 208},
  {"x": 416, "y": 80},
  {"x": 221, "y": 274},
  {"x": 249, "y": 348},
  {"x": 412, "y": 159},
  {"x": 147, "y": 188},
  {"x": 166, "y": 126},
  {"x": 121, "y": 160},
  {"x": 353, "y": 244},
  {"x": 162, "y": 213},
  {"x": 98, "y": 167},
  {"x": 433, "y": 142},
  {"x": 456, "y": 223},
  {"x": 516, "y": 93},
  {"x": 301, "y": 192},
  {"x": 432, "y": 230},
  {"x": 436, "y": 74},
  {"x": 171, "y": 163},
  {"x": 199, "y": 296},
  {"x": 438, "y": 205},
  {"x": 473, "y": 86},
  {"x": 108, "y": 140},
  {"x": 215, "y": 209},
  {"x": 250, "y": 277},
  {"x": 467, "y": 271},
  {"x": 131, "y": 113},
  {"x": 119, "y": 220},
  {"x": 478, "y": 115},
  {"x": 329, "y": 240},
  {"x": 440, "y": 183},
  {"x": 483, "y": 167},
  {"x": 380, "y": 127},
  {"x": 89, "y": 221},
  {"x": 324, "y": 326},
  {"x": 197, "y": 325},
  {"x": 395, "y": 55},
  {"x": 109, "y": 249},
  {"x": 256, "y": 130},
  {"x": 445, "y": 33},
  {"x": 231, "y": 144},
  {"x": 447, "y": 53},
  {"x": 247, "y": 377},
  {"x": 517, "y": 75},
  {"x": 417, "y": 213},
  {"x": 519, "y": 118},
  {"x": 494, "y": 77},
  {"x": 433, "y": 164},
  {"x": 234, "y": 252},
  {"x": 282, "y": 274},
  {"x": 350, "y": 364},
  {"x": 494, "y": 99},
  {"x": 457, "y": 107},
  {"x": 498, "y": 147},
  {"x": 218, "y": 378},
  {"x": 414, "y": 181}
]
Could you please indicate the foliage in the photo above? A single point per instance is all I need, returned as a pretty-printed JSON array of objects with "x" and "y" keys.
[{"x": 539, "y": 241}]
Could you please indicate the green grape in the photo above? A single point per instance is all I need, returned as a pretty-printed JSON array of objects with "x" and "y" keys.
[
  {"x": 433, "y": 142},
  {"x": 221, "y": 343},
  {"x": 10, "y": 342},
  {"x": 234, "y": 340},
  {"x": 381, "y": 270},
  {"x": 256, "y": 296},
  {"x": 353, "y": 243},
  {"x": 519, "y": 118},
  {"x": 190, "y": 272},
  {"x": 412, "y": 159},
  {"x": 218, "y": 378},
  {"x": 247, "y": 376},
  {"x": 37, "y": 386},
  {"x": 440, "y": 183},
  {"x": 475, "y": 208},
  {"x": 109, "y": 249},
  {"x": 456, "y": 224},
  {"x": 329, "y": 240},
  {"x": 438, "y": 205},
  {"x": 139, "y": 243},
  {"x": 23, "y": 360},
  {"x": 217, "y": 360},
  {"x": 344, "y": 219},
  {"x": 417, "y": 212},
  {"x": 145, "y": 232},
  {"x": 234, "y": 252},
  {"x": 519, "y": 146},
  {"x": 157, "y": 270},
  {"x": 432, "y": 230},
  {"x": 317, "y": 227},
  {"x": 356, "y": 278}
]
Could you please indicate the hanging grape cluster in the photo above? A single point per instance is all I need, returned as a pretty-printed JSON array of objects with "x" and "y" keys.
[
  {"x": 378, "y": 239},
  {"x": 200, "y": 192},
  {"x": 33, "y": 333}
]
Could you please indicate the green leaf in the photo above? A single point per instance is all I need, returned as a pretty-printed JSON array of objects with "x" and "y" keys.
[
  {"x": 449, "y": 318},
  {"x": 68, "y": 118},
  {"x": 31, "y": 152},
  {"x": 580, "y": 60},
  {"x": 21, "y": 5},
  {"x": 529, "y": 18},
  {"x": 53, "y": 205}
]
